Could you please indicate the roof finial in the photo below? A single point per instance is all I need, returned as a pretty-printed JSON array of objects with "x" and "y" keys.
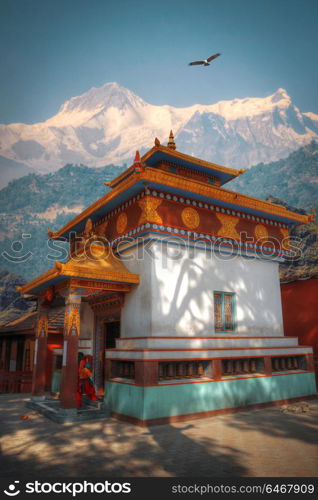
[
  {"x": 157, "y": 142},
  {"x": 137, "y": 157},
  {"x": 137, "y": 163},
  {"x": 171, "y": 143}
]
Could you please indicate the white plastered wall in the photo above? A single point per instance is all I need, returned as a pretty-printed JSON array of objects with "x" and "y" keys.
[{"x": 175, "y": 294}]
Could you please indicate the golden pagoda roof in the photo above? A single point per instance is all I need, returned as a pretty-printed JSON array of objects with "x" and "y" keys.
[
  {"x": 190, "y": 159},
  {"x": 169, "y": 153},
  {"x": 96, "y": 262}
]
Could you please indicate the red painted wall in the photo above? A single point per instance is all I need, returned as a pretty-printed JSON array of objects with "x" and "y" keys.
[{"x": 300, "y": 313}]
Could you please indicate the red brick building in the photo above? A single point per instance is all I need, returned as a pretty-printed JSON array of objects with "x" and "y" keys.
[{"x": 300, "y": 313}]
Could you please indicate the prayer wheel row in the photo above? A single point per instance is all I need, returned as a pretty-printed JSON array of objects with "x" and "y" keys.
[
  {"x": 197, "y": 369},
  {"x": 127, "y": 369},
  {"x": 235, "y": 366},
  {"x": 181, "y": 369},
  {"x": 285, "y": 363}
]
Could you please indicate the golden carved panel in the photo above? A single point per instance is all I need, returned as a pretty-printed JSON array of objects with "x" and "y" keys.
[
  {"x": 260, "y": 232},
  {"x": 149, "y": 205},
  {"x": 72, "y": 320},
  {"x": 229, "y": 223},
  {"x": 121, "y": 223},
  {"x": 42, "y": 326},
  {"x": 190, "y": 217}
]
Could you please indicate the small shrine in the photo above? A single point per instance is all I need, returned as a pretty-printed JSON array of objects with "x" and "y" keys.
[{"x": 171, "y": 289}]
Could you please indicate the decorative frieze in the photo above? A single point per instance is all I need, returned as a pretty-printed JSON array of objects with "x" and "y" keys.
[
  {"x": 149, "y": 206},
  {"x": 177, "y": 215}
]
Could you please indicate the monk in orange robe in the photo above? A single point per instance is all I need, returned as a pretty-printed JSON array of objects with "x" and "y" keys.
[{"x": 85, "y": 382}]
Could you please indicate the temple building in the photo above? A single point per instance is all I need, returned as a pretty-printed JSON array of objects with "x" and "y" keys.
[
  {"x": 17, "y": 344},
  {"x": 172, "y": 288}
]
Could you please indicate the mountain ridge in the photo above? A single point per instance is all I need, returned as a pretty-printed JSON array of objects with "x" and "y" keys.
[{"x": 106, "y": 125}]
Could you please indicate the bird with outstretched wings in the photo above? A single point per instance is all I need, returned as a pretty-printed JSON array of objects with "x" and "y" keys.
[{"x": 205, "y": 62}]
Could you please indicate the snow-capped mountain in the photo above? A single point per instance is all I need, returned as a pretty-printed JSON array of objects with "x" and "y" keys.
[{"x": 106, "y": 125}]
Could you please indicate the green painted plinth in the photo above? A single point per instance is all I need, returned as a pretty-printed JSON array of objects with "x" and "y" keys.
[{"x": 146, "y": 403}]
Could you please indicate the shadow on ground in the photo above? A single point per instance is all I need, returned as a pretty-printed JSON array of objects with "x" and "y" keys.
[{"x": 221, "y": 446}]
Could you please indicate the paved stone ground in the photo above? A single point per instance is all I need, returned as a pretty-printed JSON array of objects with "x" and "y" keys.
[{"x": 260, "y": 443}]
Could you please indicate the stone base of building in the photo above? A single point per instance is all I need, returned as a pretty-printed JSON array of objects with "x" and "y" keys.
[
  {"x": 175, "y": 402},
  {"x": 51, "y": 409}
]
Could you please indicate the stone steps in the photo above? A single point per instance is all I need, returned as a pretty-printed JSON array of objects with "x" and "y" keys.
[{"x": 50, "y": 408}]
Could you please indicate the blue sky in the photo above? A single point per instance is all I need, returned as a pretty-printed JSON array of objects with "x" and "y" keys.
[{"x": 52, "y": 50}]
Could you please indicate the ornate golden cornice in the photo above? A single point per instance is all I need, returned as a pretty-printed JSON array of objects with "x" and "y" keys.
[
  {"x": 219, "y": 193},
  {"x": 169, "y": 179}
]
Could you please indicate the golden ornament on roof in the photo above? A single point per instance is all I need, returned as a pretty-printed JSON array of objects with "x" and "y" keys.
[{"x": 171, "y": 143}]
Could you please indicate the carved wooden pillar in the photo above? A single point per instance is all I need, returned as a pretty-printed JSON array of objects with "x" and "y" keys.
[
  {"x": 40, "y": 350},
  {"x": 69, "y": 380}
]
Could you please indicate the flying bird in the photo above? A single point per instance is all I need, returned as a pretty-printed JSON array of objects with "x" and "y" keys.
[{"x": 206, "y": 62}]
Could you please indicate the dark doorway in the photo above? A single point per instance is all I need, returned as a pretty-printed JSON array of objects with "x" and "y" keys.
[{"x": 112, "y": 332}]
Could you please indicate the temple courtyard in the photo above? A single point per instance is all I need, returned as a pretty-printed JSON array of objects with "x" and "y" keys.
[{"x": 266, "y": 442}]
